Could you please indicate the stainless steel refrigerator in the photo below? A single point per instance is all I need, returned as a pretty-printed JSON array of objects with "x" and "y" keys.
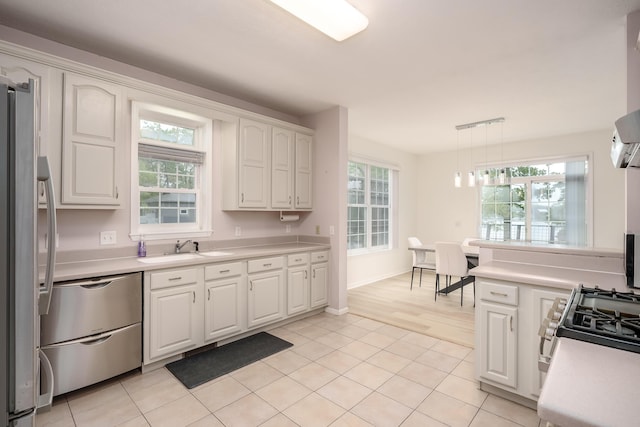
[{"x": 22, "y": 297}]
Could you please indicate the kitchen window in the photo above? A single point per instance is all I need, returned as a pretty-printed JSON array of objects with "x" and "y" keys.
[
  {"x": 170, "y": 172},
  {"x": 369, "y": 216},
  {"x": 542, "y": 202}
]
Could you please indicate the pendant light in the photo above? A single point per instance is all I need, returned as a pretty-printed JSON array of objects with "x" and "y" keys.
[
  {"x": 471, "y": 180},
  {"x": 486, "y": 178},
  {"x": 502, "y": 178},
  {"x": 457, "y": 179}
]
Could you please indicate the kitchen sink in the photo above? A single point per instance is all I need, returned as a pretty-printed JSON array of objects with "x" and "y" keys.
[
  {"x": 215, "y": 253},
  {"x": 169, "y": 258}
]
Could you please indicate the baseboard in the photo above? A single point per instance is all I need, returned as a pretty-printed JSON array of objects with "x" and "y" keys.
[
  {"x": 340, "y": 312},
  {"x": 375, "y": 279}
]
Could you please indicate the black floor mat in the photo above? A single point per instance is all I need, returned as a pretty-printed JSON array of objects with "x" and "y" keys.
[{"x": 202, "y": 367}]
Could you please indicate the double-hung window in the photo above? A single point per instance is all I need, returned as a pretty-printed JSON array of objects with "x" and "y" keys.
[
  {"x": 369, "y": 207},
  {"x": 543, "y": 202},
  {"x": 171, "y": 163}
]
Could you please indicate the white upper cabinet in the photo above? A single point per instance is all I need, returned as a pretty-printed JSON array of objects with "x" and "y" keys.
[
  {"x": 282, "y": 150},
  {"x": 303, "y": 175},
  {"x": 253, "y": 164},
  {"x": 92, "y": 141}
]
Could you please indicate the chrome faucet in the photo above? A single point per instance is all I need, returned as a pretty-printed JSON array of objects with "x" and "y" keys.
[{"x": 179, "y": 245}]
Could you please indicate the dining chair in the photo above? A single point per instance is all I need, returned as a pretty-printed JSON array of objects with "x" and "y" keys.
[
  {"x": 451, "y": 261},
  {"x": 420, "y": 260}
]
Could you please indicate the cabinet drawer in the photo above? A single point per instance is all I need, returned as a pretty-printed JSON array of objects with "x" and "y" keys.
[
  {"x": 265, "y": 264},
  {"x": 297, "y": 259},
  {"x": 497, "y": 292},
  {"x": 79, "y": 363},
  {"x": 88, "y": 307},
  {"x": 167, "y": 279},
  {"x": 320, "y": 256},
  {"x": 220, "y": 271}
]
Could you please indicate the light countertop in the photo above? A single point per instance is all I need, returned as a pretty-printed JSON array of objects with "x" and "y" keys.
[
  {"x": 81, "y": 269},
  {"x": 590, "y": 385}
]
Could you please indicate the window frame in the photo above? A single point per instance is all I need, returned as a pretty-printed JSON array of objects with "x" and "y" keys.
[
  {"x": 392, "y": 189},
  {"x": 527, "y": 182},
  {"x": 203, "y": 146}
]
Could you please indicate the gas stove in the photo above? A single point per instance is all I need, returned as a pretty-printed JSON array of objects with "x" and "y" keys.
[{"x": 605, "y": 317}]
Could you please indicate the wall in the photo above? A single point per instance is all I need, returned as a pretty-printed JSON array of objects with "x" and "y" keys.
[
  {"x": 448, "y": 213},
  {"x": 367, "y": 268}
]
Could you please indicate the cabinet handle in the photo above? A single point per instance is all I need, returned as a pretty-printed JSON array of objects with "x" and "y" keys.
[
  {"x": 305, "y": 274},
  {"x": 194, "y": 297},
  {"x": 173, "y": 279},
  {"x": 117, "y": 193},
  {"x": 314, "y": 273},
  {"x": 242, "y": 197},
  {"x": 289, "y": 200},
  {"x": 209, "y": 294},
  {"x": 266, "y": 265},
  {"x": 500, "y": 294},
  {"x": 223, "y": 271},
  {"x": 297, "y": 200},
  {"x": 250, "y": 285},
  {"x": 511, "y": 323}
]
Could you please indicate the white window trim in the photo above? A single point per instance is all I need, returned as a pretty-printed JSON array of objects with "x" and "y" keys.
[
  {"x": 393, "y": 210},
  {"x": 588, "y": 157},
  {"x": 204, "y": 143}
]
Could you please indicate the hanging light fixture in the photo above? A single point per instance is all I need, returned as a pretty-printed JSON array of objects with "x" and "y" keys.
[
  {"x": 486, "y": 178},
  {"x": 502, "y": 178},
  {"x": 472, "y": 178},
  {"x": 457, "y": 179}
]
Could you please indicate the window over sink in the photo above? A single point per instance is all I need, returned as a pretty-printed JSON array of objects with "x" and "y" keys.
[{"x": 171, "y": 169}]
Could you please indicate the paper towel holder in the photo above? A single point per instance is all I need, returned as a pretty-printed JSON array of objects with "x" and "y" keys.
[{"x": 288, "y": 217}]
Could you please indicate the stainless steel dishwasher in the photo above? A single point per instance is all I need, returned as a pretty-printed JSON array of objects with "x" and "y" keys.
[{"x": 93, "y": 330}]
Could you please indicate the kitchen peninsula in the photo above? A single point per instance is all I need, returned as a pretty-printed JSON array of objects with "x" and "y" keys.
[{"x": 517, "y": 283}]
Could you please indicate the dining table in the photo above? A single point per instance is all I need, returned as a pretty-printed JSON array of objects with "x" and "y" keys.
[{"x": 471, "y": 252}]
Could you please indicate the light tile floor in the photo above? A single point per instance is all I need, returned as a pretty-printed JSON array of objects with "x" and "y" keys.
[{"x": 342, "y": 371}]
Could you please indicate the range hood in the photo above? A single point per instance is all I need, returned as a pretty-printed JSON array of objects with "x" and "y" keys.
[{"x": 626, "y": 141}]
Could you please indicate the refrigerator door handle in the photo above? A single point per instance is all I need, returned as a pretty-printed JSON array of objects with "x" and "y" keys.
[
  {"x": 44, "y": 174},
  {"x": 45, "y": 400}
]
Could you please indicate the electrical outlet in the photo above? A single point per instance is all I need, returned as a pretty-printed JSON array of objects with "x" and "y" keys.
[
  {"x": 238, "y": 231},
  {"x": 317, "y": 229},
  {"x": 287, "y": 228},
  {"x": 332, "y": 230},
  {"x": 107, "y": 237}
]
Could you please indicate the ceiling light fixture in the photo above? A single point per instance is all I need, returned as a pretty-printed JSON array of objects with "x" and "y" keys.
[
  {"x": 471, "y": 182},
  {"x": 336, "y": 18}
]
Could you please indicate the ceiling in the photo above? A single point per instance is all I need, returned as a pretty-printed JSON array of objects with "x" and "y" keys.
[{"x": 421, "y": 67}]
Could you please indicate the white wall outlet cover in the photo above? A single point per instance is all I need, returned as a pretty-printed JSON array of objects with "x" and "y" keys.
[
  {"x": 238, "y": 231},
  {"x": 107, "y": 237}
]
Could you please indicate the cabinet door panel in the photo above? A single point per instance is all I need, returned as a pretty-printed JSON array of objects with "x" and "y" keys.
[
  {"x": 92, "y": 141},
  {"x": 222, "y": 312},
  {"x": 173, "y": 317},
  {"x": 254, "y": 164},
  {"x": 281, "y": 168},
  {"x": 297, "y": 290},
  {"x": 319, "y": 277},
  {"x": 265, "y": 298},
  {"x": 303, "y": 175},
  {"x": 498, "y": 354}
]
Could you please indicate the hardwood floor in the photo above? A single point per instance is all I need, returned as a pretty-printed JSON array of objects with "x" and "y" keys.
[{"x": 392, "y": 302}]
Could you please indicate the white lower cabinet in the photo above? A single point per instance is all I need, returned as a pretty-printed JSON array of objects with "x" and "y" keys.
[
  {"x": 508, "y": 316},
  {"x": 173, "y": 312},
  {"x": 186, "y": 308},
  {"x": 498, "y": 357},
  {"x": 297, "y": 283},
  {"x": 223, "y": 300},
  {"x": 266, "y": 291},
  {"x": 319, "y": 278}
]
